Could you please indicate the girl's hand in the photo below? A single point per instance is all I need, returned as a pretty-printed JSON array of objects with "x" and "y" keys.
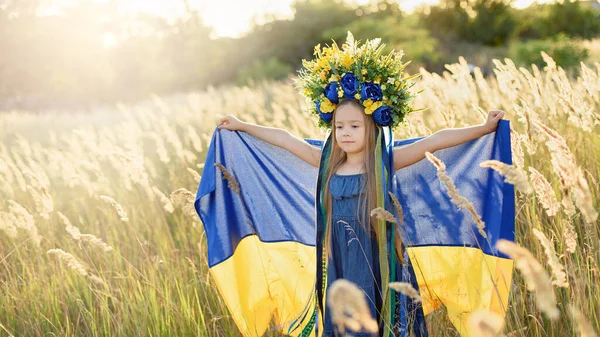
[
  {"x": 230, "y": 123},
  {"x": 492, "y": 121}
]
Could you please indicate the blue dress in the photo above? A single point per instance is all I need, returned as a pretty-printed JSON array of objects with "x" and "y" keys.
[{"x": 355, "y": 257}]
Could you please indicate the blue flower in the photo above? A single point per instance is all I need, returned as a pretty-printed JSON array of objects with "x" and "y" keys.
[
  {"x": 371, "y": 91},
  {"x": 331, "y": 92},
  {"x": 383, "y": 115},
  {"x": 326, "y": 117},
  {"x": 349, "y": 85}
]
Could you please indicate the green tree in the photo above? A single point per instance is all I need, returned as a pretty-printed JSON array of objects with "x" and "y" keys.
[{"x": 489, "y": 22}]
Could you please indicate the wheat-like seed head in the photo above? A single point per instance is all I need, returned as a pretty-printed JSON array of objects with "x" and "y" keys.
[
  {"x": 455, "y": 196},
  {"x": 194, "y": 174},
  {"x": 560, "y": 276},
  {"x": 117, "y": 206},
  {"x": 512, "y": 174},
  {"x": 544, "y": 192},
  {"x": 406, "y": 289},
  {"x": 483, "y": 323},
  {"x": 166, "y": 202},
  {"x": 71, "y": 261},
  {"x": 231, "y": 182},
  {"x": 398, "y": 208},
  {"x": 534, "y": 274},
  {"x": 585, "y": 328},
  {"x": 349, "y": 308},
  {"x": 570, "y": 236},
  {"x": 7, "y": 223},
  {"x": 381, "y": 214},
  {"x": 24, "y": 221}
]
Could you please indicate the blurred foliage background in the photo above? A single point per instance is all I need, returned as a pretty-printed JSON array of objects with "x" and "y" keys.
[{"x": 90, "y": 53}]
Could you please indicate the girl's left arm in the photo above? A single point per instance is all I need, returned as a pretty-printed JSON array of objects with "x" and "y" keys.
[{"x": 412, "y": 153}]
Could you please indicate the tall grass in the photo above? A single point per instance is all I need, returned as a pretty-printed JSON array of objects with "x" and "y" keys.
[{"x": 98, "y": 236}]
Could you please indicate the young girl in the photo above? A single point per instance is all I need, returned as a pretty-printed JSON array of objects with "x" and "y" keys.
[{"x": 354, "y": 177}]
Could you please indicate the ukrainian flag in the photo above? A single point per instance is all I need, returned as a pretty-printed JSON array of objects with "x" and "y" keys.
[{"x": 261, "y": 238}]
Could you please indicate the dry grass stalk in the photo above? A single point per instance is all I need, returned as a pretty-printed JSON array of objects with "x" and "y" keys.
[
  {"x": 40, "y": 195},
  {"x": 166, "y": 202},
  {"x": 585, "y": 328},
  {"x": 483, "y": 323},
  {"x": 97, "y": 280},
  {"x": 512, "y": 174},
  {"x": 72, "y": 230},
  {"x": 570, "y": 236},
  {"x": 194, "y": 174},
  {"x": 117, "y": 206},
  {"x": 94, "y": 241},
  {"x": 71, "y": 261},
  {"x": 518, "y": 332},
  {"x": 406, "y": 289},
  {"x": 544, "y": 192},
  {"x": 185, "y": 199},
  {"x": 76, "y": 234},
  {"x": 182, "y": 197},
  {"x": 7, "y": 223},
  {"x": 398, "y": 208},
  {"x": 381, "y": 214},
  {"x": 566, "y": 202},
  {"x": 231, "y": 182},
  {"x": 558, "y": 270},
  {"x": 572, "y": 178},
  {"x": 24, "y": 221},
  {"x": 527, "y": 116},
  {"x": 517, "y": 150},
  {"x": 161, "y": 150},
  {"x": 349, "y": 308},
  {"x": 536, "y": 278},
  {"x": 455, "y": 197},
  {"x": 194, "y": 138},
  {"x": 75, "y": 265}
]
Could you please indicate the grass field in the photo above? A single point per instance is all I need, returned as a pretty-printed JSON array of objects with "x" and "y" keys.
[{"x": 98, "y": 237}]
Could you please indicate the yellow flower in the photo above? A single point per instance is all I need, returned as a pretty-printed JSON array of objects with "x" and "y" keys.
[
  {"x": 332, "y": 78},
  {"x": 347, "y": 60},
  {"x": 377, "y": 80},
  {"x": 323, "y": 63},
  {"x": 326, "y": 106},
  {"x": 372, "y": 106},
  {"x": 383, "y": 87},
  {"x": 364, "y": 71},
  {"x": 317, "y": 50},
  {"x": 340, "y": 93},
  {"x": 357, "y": 96},
  {"x": 307, "y": 92},
  {"x": 323, "y": 75}
]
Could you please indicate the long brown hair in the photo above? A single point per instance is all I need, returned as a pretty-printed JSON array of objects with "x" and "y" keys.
[{"x": 368, "y": 200}]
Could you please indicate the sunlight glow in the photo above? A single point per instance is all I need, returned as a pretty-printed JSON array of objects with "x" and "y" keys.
[{"x": 233, "y": 18}]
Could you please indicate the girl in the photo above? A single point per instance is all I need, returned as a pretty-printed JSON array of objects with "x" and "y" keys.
[
  {"x": 355, "y": 166},
  {"x": 350, "y": 176}
]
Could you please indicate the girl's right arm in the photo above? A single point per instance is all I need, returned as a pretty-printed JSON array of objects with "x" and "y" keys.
[{"x": 278, "y": 137}]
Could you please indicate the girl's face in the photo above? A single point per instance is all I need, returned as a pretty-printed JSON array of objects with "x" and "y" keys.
[{"x": 349, "y": 128}]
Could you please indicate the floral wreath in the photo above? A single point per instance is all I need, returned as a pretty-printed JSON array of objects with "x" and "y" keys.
[{"x": 358, "y": 73}]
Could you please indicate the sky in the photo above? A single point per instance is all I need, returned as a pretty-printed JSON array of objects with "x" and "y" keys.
[{"x": 232, "y": 18}]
